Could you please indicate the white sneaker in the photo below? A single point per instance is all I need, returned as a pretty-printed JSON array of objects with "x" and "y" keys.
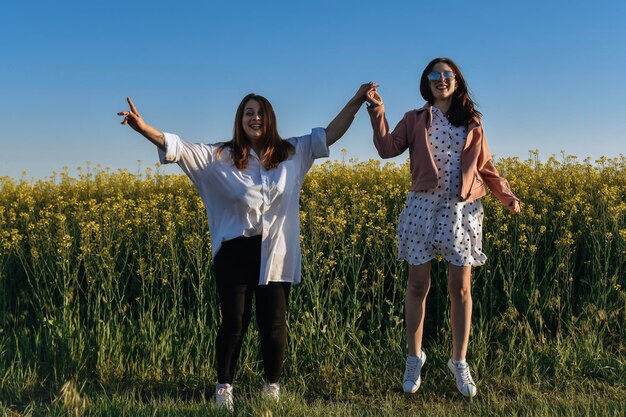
[
  {"x": 464, "y": 381},
  {"x": 224, "y": 396},
  {"x": 272, "y": 390},
  {"x": 412, "y": 373}
]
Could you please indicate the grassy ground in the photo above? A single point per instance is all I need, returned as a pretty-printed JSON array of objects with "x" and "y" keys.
[{"x": 509, "y": 398}]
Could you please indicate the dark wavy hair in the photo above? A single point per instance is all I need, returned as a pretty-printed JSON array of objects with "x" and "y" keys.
[
  {"x": 275, "y": 149},
  {"x": 462, "y": 109}
]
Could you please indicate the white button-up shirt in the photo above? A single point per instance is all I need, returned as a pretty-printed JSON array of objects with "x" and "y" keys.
[{"x": 252, "y": 201}]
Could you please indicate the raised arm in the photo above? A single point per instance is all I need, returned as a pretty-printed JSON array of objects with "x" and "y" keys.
[
  {"x": 343, "y": 120},
  {"x": 134, "y": 120},
  {"x": 387, "y": 143}
]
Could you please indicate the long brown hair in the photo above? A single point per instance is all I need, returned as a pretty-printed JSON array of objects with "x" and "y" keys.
[
  {"x": 275, "y": 149},
  {"x": 462, "y": 109}
]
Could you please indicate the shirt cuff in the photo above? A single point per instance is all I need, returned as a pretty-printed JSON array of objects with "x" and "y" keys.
[
  {"x": 319, "y": 147},
  {"x": 171, "y": 145}
]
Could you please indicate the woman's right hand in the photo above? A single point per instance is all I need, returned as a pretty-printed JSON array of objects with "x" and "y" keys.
[
  {"x": 132, "y": 117},
  {"x": 372, "y": 97},
  {"x": 134, "y": 120}
]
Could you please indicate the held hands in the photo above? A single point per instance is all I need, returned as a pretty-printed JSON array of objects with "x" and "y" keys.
[
  {"x": 132, "y": 117},
  {"x": 367, "y": 92},
  {"x": 371, "y": 95}
]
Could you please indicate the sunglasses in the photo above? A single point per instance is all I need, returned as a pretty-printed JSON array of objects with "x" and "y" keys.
[{"x": 436, "y": 76}]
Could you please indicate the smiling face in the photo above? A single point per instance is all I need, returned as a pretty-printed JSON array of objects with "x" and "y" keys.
[
  {"x": 442, "y": 88},
  {"x": 252, "y": 121}
]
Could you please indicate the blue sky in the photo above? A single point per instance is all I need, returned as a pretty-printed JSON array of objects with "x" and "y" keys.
[{"x": 547, "y": 75}]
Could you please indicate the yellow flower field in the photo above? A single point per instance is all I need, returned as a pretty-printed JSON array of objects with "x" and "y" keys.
[{"x": 107, "y": 277}]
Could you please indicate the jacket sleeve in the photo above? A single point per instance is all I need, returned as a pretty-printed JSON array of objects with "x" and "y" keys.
[
  {"x": 492, "y": 179},
  {"x": 388, "y": 144}
]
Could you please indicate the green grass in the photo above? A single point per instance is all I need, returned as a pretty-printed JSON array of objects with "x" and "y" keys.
[{"x": 508, "y": 398}]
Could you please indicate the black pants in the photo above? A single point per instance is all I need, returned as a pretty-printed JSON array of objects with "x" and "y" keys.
[{"x": 237, "y": 268}]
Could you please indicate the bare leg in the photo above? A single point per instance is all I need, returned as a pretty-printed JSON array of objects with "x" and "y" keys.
[
  {"x": 415, "y": 306},
  {"x": 459, "y": 287}
]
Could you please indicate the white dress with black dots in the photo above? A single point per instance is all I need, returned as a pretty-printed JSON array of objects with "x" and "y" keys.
[{"x": 435, "y": 222}]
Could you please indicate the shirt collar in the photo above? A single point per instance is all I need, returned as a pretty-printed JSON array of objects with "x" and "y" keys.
[{"x": 474, "y": 121}]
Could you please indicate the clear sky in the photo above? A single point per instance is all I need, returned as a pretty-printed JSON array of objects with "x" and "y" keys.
[{"x": 547, "y": 75}]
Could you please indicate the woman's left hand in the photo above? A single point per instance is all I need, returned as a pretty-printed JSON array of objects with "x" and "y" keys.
[
  {"x": 372, "y": 96},
  {"x": 515, "y": 207},
  {"x": 338, "y": 126},
  {"x": 365, "y": 91}
]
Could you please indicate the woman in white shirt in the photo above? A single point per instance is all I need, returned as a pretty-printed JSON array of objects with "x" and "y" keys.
[{"x": 250, "y": 187}]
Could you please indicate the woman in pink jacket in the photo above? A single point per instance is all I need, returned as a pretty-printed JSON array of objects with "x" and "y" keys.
[{"x": 451, "y": 168}]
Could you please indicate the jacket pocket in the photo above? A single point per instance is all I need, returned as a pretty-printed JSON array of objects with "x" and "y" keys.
[
  {"x": 477, "y": 185},
  {"x": 478, "y": 182}
]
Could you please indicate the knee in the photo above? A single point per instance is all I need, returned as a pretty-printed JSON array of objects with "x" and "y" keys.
[
  {"x": 460, "y": 293},
  {"x": 272, "y": 324},
  {"x": 418, "y": 288},
  {"x": 235, "y": 324}
]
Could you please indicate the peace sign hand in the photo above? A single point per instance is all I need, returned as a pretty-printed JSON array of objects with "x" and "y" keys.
[{"x": 132, "y": 117}]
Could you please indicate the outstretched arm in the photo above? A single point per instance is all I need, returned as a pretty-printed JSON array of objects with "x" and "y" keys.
[
  {"x": 344, "y": 119},
  {"x": 134, "y": 120},
  {"x": 388, "y": 143}
]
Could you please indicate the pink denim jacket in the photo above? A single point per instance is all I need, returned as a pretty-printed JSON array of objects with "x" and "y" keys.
[{"x": 478, "y": 171}]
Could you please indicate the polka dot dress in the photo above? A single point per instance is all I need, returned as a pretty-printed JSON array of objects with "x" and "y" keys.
[{"x": 435, "y": 222}]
